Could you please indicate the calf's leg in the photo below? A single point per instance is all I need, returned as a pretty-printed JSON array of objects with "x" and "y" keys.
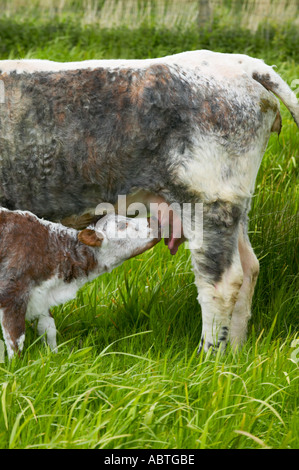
[
  {"x": 46, "y": 326},
  {"x": 13, "y": 304}
]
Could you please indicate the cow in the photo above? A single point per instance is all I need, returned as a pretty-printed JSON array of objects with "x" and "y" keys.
[{"x": 187, "y": 128}]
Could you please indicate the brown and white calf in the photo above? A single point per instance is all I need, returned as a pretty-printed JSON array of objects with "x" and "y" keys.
[
  {"x": 188, "y": 128},
  {"x": 43, "y": 264}
]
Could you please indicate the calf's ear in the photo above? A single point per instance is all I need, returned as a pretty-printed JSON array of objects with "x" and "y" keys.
[{"x": 89, "y": 237}]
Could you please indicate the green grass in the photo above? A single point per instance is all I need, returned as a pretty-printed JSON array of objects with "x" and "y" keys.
[
  {"x": 129, "y": 395},
  {"x": 126, "y": 374}
]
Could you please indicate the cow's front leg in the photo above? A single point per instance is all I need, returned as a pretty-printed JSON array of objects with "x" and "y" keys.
[{"x": 218, "y": 274}]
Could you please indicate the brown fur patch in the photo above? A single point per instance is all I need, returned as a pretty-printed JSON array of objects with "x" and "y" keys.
[
  {"x": 277, "y": 125},
  {"x": 269, "y": 105},
  {"x": 264, "y": 79},
  {"x": 79, "y": 222},
  {"x": 266, "y": 105},
  {"x": 89, "y": 237}
]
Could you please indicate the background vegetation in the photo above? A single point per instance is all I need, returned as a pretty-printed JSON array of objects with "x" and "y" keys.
[{"x": 126, "y": 374}]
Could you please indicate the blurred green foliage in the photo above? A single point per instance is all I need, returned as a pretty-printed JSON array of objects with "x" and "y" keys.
[{"x": 61, "y": 39}]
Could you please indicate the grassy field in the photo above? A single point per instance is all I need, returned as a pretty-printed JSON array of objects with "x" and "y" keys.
[{"x": 127, "y": 375}]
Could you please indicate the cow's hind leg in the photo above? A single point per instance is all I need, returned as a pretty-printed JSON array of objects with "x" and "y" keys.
[
  {"x": 218, "y": 272},
  {"x": 242, "y": 309}
]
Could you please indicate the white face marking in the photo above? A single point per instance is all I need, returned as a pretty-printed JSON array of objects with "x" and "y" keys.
[
  {"x": 123, "y": 238},
  {"x": 120, "y": 227}
]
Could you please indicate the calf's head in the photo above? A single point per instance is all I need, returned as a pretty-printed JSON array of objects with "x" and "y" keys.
[{"x": 118, "y": 238}]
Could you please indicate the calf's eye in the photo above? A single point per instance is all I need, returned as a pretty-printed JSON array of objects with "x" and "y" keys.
[{"x": 122, "y": 225}]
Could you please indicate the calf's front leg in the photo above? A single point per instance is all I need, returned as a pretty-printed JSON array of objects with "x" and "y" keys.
[
  {"x": 46, "y": 326},
  {"x": 13, "y": 305}
]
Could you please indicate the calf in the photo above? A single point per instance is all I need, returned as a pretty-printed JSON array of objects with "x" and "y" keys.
[
  {"x": 188, "y": 128},
  {"x": 43, "y": 264}
]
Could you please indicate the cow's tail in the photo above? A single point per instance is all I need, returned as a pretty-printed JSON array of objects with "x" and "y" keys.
[{"x": 266, "y": 76}]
